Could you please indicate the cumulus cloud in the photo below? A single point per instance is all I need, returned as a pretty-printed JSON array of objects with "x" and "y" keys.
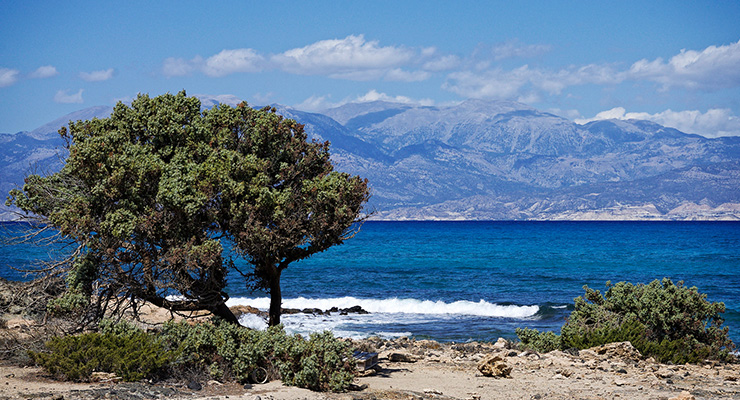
[
  {"x": 715, "y": 122},
  {"x": 715, "y": 67},
  {"x": 8, "y": 76},
  {"x": 350, "y": 58},
  {"x": 47, "y": 71},
  {"x": 232, "y": 61},
  {"x": 63, "y": 97},
  {"x": 226, "y": 62},
  {"x": 97, "y": 76}
]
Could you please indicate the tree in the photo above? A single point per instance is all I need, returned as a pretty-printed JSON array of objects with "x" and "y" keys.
[{"x": 149, "y": 193}]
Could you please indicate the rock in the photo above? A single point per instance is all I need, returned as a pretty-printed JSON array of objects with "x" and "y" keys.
[
  {"x": 429, "y": 344},
  {"x": 501, "y": 343},
  {"x": 104, "y": 377},
  {"x": 402, "y": 357},
  {"x": 240, "y": 310},
  {"x": 494, "y": 366},
  {"x": 353, "y": 310},
  {"x": 564, "y": 372},
  {"x": 618, "y": 351},
  {"x": 193, "y": 385},
  {"x": 684, "y": 396}
]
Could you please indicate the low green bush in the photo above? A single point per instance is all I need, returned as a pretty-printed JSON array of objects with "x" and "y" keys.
[
  {"x": 543, "y": 342},
  {"x": 667, "y": 321},
  {"x": 220, "y": 350},
  {"x": 130, "y": 353},
  {"x": 322, "y": 363}
]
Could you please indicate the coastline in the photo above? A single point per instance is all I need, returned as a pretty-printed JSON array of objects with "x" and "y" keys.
[
  {"x": 423, "y": 369},
  {"x": 411, "y": 369}
]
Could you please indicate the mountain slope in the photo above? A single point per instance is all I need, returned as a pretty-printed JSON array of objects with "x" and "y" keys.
[
  {"x": 490, "y": 160},
  {"x": 505, "y": 160}
]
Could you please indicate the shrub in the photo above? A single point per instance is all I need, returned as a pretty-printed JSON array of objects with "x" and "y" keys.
[
  {"x": 321, "y": 363},
  {"x": 667, "y": 321},
  {"x": 125, "y": 351},
  {"x": 225, "y": 350},
  {"x": 542, "y": 342}
]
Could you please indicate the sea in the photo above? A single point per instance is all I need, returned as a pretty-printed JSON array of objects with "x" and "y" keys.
[{"x": 476, "y": 281}]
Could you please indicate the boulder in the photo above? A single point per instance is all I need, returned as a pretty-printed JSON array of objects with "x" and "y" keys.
[
  {"x": 618, "y": 351},
  {"x": 495, "y": 366}
]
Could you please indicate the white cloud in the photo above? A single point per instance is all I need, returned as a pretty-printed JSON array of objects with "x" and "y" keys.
[
  {"x": 374, "y": 95},
  {"x": 46, "y": 71},
  {"x": 97, "y": 76},
  {"x": 443, "y": 63},
  {"x": 350, "y": 58},
  {"x": 524, "y": 81},
  {"x": 8, "y": 76},
  {"x": 226, "y": 62},
  {"x": 713, "y": 123},
  {"x": 495, "y": 83},
  {"x": 63, "y": 97},
  {"x": 232, "y": 61},
  {"x": 515, "y": 49},
  {"x": 178, "y": 66},
  {"x": 398, "y": 74},
  {"x": 715, "y": 67}
]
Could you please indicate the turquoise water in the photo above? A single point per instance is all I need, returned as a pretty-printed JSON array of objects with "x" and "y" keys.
[{"x": 457, "y": 281}]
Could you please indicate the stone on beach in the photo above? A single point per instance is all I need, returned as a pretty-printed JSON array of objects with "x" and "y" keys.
[{"x": 495, "y": 366}]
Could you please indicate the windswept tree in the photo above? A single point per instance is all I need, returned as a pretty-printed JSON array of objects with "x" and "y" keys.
[{"x": 149, "y": 193}]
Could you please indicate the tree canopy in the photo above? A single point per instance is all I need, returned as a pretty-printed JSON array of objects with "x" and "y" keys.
[{"x": 149, "y": 194}]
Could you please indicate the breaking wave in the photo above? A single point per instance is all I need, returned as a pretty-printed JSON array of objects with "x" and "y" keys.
[{"x": 481, "y": 308}]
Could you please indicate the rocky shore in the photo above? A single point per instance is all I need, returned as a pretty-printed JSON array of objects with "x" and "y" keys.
[
  {"x": 411, "y": 369},
  {"x": 408, "y": 369}
]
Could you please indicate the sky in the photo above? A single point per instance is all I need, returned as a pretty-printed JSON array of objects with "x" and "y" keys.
[{"x": 673, "y": 62}]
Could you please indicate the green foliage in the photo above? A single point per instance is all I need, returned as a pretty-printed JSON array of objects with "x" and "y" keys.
[
  {"x": 149, "y": 193},
  {"x": 321, "y": 363},
  {"x": 125, "y": 351},
  {"x": 542, "y": 342},
  {"x": 69, "y": 302},
  {"x": 667, "y": 321}
]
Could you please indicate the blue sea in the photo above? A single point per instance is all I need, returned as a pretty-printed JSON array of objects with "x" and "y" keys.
[{"x": 462, "y": 281}]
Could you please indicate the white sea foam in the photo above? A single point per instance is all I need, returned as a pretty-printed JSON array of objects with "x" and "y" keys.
[
  {"x": 388, "y": 318},
  {"x": 481, "y": 308}
]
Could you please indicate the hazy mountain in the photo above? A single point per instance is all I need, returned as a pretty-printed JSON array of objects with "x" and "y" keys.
[
  {"x": 495, "y": 160},
  {"x": 505, "y": 160}
]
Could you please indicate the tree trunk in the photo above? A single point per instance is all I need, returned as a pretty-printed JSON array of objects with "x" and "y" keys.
[
  {"x": 276, "y": 299},
  {"x": 223, "y": 311}
]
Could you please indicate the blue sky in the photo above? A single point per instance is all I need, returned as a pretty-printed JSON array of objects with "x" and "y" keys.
[{"x": 673, "y": 62}]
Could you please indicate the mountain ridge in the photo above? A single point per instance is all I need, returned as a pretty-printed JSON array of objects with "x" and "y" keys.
[{"x": 495, "y": 160}]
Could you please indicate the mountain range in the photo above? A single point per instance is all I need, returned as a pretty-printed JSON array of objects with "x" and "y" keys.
[{"x": 487, "y": 160}]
